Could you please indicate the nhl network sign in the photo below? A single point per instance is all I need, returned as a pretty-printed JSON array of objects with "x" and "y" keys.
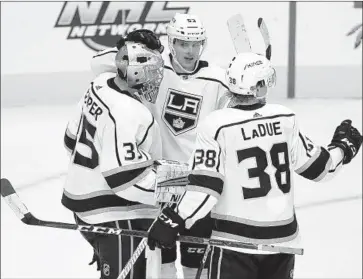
[{"x": 100, "y": 24}]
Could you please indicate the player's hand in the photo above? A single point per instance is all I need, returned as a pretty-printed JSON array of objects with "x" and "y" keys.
[
  {"x": 348, "y": 139},
  {"x": 143, "y": 36},
  {"x": 163, "y": 233}
]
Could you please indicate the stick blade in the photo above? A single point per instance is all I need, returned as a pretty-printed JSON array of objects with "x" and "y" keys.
[
  {"x": 238, "y": 32},
  {"x": 259, "y": 22},
  {"x": 6, "y": 188},
  {"x": 12, "y": 199},
  {"x": 262, "y": 25},
  {"x": 266, "y": 37},
  {"x": 268, "y": 52}
]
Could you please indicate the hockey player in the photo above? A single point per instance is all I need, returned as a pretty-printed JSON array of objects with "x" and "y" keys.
[
  {"x": 113, "y": 140},
  {"x": 189, "y": 91},
  {"x": 242, "y": 172}
]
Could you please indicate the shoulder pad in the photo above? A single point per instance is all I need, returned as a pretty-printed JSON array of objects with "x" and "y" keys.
[
  {"x": 211, "y": 123},
  {"x": 102, "y": 78},
  {"x": 280, "y": 109},
  {"x": 213, "y": 73}
]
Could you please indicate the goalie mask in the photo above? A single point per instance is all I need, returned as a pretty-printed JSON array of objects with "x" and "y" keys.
[
  {"x": 142, "y": 69},
  {"x": 186, "y": 28},
  {"x": 250, "y": 74}
]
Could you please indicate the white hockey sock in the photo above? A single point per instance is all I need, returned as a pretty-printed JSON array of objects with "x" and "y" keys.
[
  {"x": 168, "y": 271},
  {"x": 189, "y": 273}
]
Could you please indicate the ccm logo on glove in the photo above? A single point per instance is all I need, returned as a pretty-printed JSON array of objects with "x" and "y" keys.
[{"x": 167, "y": 220}]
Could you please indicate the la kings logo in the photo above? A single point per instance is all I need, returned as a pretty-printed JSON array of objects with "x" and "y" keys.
[
  {"x": 100, "y": 24},
  {"x": 181, "y": 111}
]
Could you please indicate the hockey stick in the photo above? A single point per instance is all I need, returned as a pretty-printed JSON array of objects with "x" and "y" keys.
[
  {"x": 266, "y": 37},
  {"x": 358, "y": 39},
  {"x": 202, "y": 263},
  {"x": 238, "y": 32},
  {"x": 239, "y": 36},
  {"x": 13, "y": 200},
  {"x": 138, "y": 251},
  {"x": 354, "y": 29}
]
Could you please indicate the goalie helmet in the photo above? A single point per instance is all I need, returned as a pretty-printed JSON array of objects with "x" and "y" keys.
[
  {"x": 142, "y": 68},
  {"x": 186, "y": 28},
  {"x": 250, "y": 74}
]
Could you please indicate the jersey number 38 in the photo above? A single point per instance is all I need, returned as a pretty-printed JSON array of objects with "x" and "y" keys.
[{"x": 281, "y": 166}]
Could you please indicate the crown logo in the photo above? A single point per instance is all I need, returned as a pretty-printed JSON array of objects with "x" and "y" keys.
[{"x": 178, "y": 123}]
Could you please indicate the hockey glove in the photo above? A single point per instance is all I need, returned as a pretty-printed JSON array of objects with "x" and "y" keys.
[
  {"x": 348, "y": 139},
  {"x": 163, "y": 233},
  {"x": 143, "y": 36},
  {"x": 172, "y": 178}
]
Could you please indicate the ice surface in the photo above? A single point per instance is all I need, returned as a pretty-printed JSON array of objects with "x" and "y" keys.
[{"x": 34, "y": 159}]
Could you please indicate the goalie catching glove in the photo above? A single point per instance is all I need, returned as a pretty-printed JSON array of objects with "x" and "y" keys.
[
  {"x": 164, "y": 232},
  {"x": 171, "y": 178},
  {"x": 348, "y": 139}
]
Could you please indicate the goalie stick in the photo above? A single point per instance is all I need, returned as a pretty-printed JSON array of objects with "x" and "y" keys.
[{"x": 9, "y": 194}]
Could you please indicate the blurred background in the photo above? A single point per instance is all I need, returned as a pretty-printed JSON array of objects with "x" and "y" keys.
[{"x": 46, "y": 48}]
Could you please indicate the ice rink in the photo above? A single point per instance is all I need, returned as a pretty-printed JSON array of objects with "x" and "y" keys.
[{"x": 34, "y": 159}]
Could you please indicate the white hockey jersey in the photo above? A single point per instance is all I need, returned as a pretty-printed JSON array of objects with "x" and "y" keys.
[
  {"x": 113, "y": 140},
  {"x": 183, "y": 101},
  {"x": 244, "y": 161}
]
